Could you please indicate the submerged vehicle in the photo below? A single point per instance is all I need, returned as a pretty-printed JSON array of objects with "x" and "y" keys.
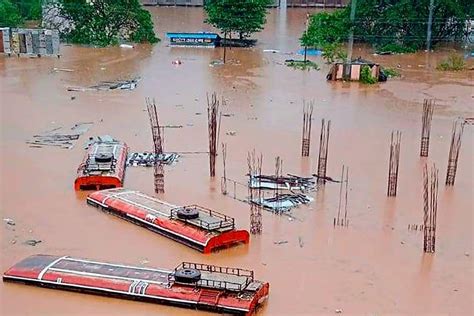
[
  {"x": 193, "y": 285},
  {"x": 193, "y": 225},
  {"x": 103, "y": 166}
]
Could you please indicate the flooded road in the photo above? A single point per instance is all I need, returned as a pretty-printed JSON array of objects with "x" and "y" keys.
[{"x": 375, "y": 266}]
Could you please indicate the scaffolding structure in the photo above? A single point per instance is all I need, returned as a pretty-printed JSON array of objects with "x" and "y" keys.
[
  {"x": 323, "y": 150},
  {"x": 224, "y": 176},
  {"x": 430, "y": 208},
  {"x": 278, "y": 177},
  {"x": 156, "y": 131},
  {"x": 306, "y": 136},
  {"x": 255, "y": 194},
  {"x": 342, "y": 206},
  {"x": 456, "y": 138},
  {"x": 428, "y": 108},
  {"x": 394, "y": 162},
  {"x": 213, "y": 119}
]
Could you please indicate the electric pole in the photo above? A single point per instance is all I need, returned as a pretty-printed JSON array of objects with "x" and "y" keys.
[
  {"x": 305, "y": 46},
  {"x": 430, "y": 22},
  {"x": 351, "y": 35}
]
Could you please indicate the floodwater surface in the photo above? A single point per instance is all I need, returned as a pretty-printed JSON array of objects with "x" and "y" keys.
[{"x": 376, "y": 266}]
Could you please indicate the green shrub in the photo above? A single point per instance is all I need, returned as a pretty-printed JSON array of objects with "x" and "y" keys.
[
  {"x": 366, "y": 76},
  {"x": 302, "y": 65},
  {"x": 396, "y": 48},
  {"x": 334, "y": 52},
  {"x": 391, "y": 72},
  {"x": 452, "y": 63}
]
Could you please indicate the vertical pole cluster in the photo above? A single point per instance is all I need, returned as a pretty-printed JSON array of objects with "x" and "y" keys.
[
  {"x": 456, "y": 137},
  {"x": 278, "y": 175},
  {"x": 428, "y": 107},
  {"x": 343, "y": 191},
  {"x": 430, "y": 208},
  {"x": 159, "y": 173},
  {"x": 224, "y": 177},
  {"x": 213, "y": 130},
  {"x": 323, "y": 150},
  {"x": 255, "y": 194},
  {"x": 394, "y": 163},
  {"x": 306, "y": 137}
]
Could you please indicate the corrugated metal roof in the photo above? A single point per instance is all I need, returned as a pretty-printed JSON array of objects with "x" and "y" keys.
[{"x": 192, "y": 35}]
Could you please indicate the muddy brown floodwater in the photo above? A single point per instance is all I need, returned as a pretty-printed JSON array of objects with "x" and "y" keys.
[{"x": 376, "y": 266}]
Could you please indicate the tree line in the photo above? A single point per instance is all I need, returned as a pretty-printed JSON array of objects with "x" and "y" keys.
[{"x": 391, "y": 25}]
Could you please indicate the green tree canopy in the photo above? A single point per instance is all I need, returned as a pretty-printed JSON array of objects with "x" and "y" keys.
[
  {"x": 106, "y": 22},
  {"x": 326, "y": 28},
  {"x": 14, "y": 12},
  {"x": 29, "y": 9},
  {"x": 9, "y": 14},
  {"x": 391, "y": 23},
  {"x": 243, "y": 16}
]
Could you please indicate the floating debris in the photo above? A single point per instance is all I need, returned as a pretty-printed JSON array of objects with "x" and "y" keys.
[
  {"x": 300, "y": 241},
  {"x": 32, "y": 242},
  {"x": 62, "y": 69},
  {"x": 126, "y": 46},
  {"x": 326, "y": 178},
  {"x": 310, "y": 52},
  {"x": 280, "y": 242},
  {"x": 148, "y": 159},
  {"x": 100, "y": 139},
  {"x": 274, "y": 51},
  {"x": 173, "y": 126},
  {"x": 109, "y": 85},
  {"x": 231, "y": 133},
  {"x": 9, "y": 221},
  {"x": 283, "y": 202},
  {"x": 59, "y": 136},
  {"x": 289, "y": 182},
  {"x": 215, "y": 63}
]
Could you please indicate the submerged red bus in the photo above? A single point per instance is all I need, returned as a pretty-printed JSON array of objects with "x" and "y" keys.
[
  {"x": 193, "y": 225},
  {"x": 192, "y": 285},
  {"x": 103, "y": 166}
]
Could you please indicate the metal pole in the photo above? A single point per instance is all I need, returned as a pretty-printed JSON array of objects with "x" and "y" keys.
[
  {"x": 225, "y": 44},
  {"x": 351, "y": 36},
  {"x": 430, "y": 22},
  {"x": 305, "y": 46}
]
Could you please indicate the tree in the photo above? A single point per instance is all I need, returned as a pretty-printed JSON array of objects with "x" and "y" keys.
[
  {"x": 243, "y": 17},
  {"x": 29, "y": 9},
  {"x": 106, "y": 22},
  {"x": 9, "y": 14},
  {"x": 395, "y": 25},
  {"x": 14, "y": 12},
  {"x": 326, "y": 28}
]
